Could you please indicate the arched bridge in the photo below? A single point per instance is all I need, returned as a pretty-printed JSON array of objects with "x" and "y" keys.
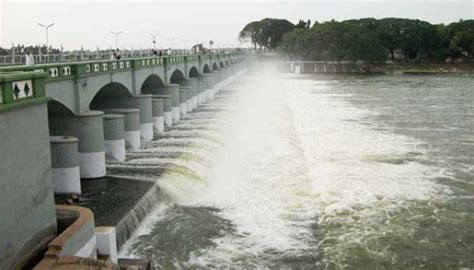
[{"x": 75, "y": 85}]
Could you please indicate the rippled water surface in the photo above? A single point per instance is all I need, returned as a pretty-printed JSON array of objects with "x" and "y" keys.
[{"x": 315, "y": 172}]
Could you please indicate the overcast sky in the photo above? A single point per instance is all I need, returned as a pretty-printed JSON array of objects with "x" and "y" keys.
[{"x": 89, "y": 23}]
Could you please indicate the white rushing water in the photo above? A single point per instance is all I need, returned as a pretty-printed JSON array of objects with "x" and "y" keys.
[{"x": 296, "y": 170}]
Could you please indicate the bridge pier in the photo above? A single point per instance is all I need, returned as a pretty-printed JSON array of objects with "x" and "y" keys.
[
  {"x": 209, "y": 79},
  {"x": 65, "y": 165},
  {"x": 144, "y": 104},
  {"x": 88, "y": 128},
  {"x": 192, "y": 84},
  {"x": 167, "y": 108},
  {"x": 201, "y": 87},
  {"x": 114, "y": 136},
  {"x": 189, "y": 101},
  {"x": 183, "y": 96},
  {"x": 173, "y": 91},
  {"x": 158, "y": 115},
  {"x": 131, "y": 125}
]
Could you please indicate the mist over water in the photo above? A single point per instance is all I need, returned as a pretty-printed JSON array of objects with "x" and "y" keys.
[{"x": 326, "y": 172}]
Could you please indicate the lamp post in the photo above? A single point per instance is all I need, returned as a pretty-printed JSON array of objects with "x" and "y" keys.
[
  {"x": 116, "y": 37},
  {"x": 46, "y": 27},
  {"x": 154, "y": 40}
]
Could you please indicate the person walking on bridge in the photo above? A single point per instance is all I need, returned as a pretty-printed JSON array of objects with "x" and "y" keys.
[{"x": 29, "y": 59}]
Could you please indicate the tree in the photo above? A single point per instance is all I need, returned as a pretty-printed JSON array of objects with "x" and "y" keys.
[
  {"x": 272, "y": 31},
  {"x": 266, "y": 33},
  {"x": 367, "y": 39},
  {"x": 295, "y": 44},
  {"x": 250, "y": 33},
  {"x": 303, "y": 25},
  {"x": 460, "y": 38}
]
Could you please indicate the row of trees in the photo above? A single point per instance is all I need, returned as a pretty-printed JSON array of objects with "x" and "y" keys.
[
  {"x": 363, "y": 39},
  {"x": 22, "y": 49}
]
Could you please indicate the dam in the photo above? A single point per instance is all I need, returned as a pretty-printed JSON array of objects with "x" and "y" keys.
[
  {"x": 271, "y": 169},
  {"x": 76, "y": 120}
]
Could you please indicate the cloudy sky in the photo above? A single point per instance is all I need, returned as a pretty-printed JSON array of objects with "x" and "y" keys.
[{"x": 177, "y": 23}]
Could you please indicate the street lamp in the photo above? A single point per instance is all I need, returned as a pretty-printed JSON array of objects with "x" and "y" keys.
[
  {"x": 154, "y": 40},
  {"x": 116, "y": 37},
  {"x": 46, "y": 27}
]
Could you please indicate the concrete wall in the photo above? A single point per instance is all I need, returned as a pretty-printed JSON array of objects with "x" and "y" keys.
[{"x": 26, "y": 191}]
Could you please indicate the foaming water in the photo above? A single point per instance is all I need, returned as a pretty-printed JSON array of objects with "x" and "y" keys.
[{"x": 297, "y": 172}]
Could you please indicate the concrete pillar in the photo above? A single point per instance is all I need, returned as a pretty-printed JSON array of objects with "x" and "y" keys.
[
  {"x": 65, "y": 163},
  {"x": 106, "y": 242},
  {"x": 183, "y": 96},
  {"x": 143, "y": 103},
  {"x": 88, "y": 128},
  {"x": 131, "y": 126},
  {"x": 202, "y": 97},
  {"x": 190, "y": 93},
  {"x": 209, "y": 79},
  {"x": 167, "y": 108},
  {"x": 173, "y": 90},
  {"x": 158, "y": 115},
  {"x": 193, "y": 84},
  {"x": 114, "y": 137}
]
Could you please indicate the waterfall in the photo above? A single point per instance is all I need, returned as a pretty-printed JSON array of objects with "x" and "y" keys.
[
  {"x": 181, "y": 152},
  {"x": 130, "y": 222}
]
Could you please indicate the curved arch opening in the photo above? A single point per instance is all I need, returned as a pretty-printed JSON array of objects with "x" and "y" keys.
[
  {"x": 206, "y": 68},
  {"x": 112, "y": 95},
  {"x": 193, "y": 72},
  {"x": 214, "y": 66},
  {"x": 57, "y": 114},
  {"x": 57, "y": 109},
  {"x": 227, "y": 62},
  {"x": 177, "y": 77},
  {"x": 152, "y": 84},
  {"x": 221, "y": 64}
]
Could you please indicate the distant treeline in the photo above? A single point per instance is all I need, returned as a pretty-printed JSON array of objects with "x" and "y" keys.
[
  {"x": 363, "y": 39},
  {"x": 22, "y": 49}
]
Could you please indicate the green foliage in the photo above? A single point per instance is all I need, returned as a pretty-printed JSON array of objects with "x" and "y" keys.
[
  {"x": 461, "y": 38},
  {"x": 266, "y": 33},
  {"x": 376, "y": 40},
  {"x": 250, "y": 33}
]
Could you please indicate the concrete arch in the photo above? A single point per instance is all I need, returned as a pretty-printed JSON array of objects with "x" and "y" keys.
[
  {"x": 152, "y": 84},
  {"x": 177, "y": 76},
  {"x": 193, "y": 72},
  {"x": 226, "y": 63},
  {"x": 214, "y": 66},
  {"x": 206, "y": 69},
  {"x": 111, "y": 95},
  {"x": 58, "y": 109},
  {"x": 221, "y": 64}
]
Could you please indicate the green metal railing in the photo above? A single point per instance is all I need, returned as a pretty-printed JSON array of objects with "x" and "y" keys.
[
  {"x": 69, "y": 70},
  {"x": 19, "y": 89}
]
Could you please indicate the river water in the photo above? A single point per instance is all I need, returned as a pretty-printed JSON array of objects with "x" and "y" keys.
[{"x": 316, "y": 172}]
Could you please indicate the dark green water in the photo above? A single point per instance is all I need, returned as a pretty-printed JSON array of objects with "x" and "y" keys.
[{"x": 317, "y": 172}]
